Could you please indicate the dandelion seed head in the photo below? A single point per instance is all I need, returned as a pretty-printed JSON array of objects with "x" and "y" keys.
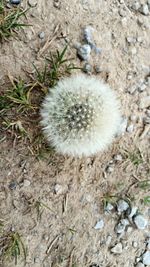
[{"x": 80, "y": 116}]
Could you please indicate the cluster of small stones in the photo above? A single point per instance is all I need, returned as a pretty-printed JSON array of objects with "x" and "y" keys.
[{"x": 80, "y": 116}]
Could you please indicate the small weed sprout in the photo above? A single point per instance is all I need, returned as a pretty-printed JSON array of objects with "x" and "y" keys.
[
  {"x": 12, "y": 247},
  {"x": 9, "y": 20},
  {"x": 80, "y": 116}
]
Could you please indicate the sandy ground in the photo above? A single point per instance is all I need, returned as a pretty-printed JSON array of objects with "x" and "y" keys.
[{"x": 64, "y": 235}]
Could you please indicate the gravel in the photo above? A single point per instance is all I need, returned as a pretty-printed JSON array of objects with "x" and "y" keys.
[
  {"x": 140, "y": 222},
  {"x": 122, "y": 206},
  {"x": 84, "y": 52},
  {"x": 26, "y": 183},
  {"x": 99, "y": 225},
  {"x": 146, "y": 258},
  {"x": 117, "y": 249}
]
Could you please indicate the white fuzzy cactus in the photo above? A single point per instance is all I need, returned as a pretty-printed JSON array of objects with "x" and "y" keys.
[{"x": 80, "y": 116}]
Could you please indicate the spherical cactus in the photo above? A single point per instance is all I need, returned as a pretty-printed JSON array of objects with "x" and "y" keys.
[{"x": 80, "y": 116}]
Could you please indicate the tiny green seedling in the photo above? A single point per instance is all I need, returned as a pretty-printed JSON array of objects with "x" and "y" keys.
[
  {"x": 146, "y": 200},
  {"x": 134, "y": 156},
  {"x": 144, "y": 184},
  {"x": 12, "y": 247},
  {"x": 9, "y": 20},
  {"x": 55, "y": 67}
]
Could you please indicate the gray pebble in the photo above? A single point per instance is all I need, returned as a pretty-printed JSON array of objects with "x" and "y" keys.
[
  {"x": 117, "y": 249},
  {"x": 109, "y": 169},
  {"x": 98, "y": 69},
  {"x": 87, "y": 33},
  {"x": 15, "y": 2},
  {"x": 109, "y": 207},
  {"x": 144, "y": 10},
  {"x": 84, "y": 51},
  {"x": 131, "y": 40},
  {"x": 41, "y": 35},
  {"x": 99, "y": 225},
  {"x": 146, "y": 258},
  {"x": 57, "y": 3},
  {"x": 58, "y": 189},
  {"x": 13, "y": 185},
  {"x": 140, "y": 222},
  {"x": 142, "y": 87},
  {"x": 87, "y": 68},
  {"x": 122, "y": 206},
  {"x": 140, "y": 264}
]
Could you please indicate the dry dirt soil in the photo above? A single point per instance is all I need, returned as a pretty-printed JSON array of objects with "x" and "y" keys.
[{"x": 58, "y": 200}]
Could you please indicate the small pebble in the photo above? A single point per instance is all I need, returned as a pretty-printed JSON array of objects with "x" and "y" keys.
[
  {"x": 26, "y": 183},
  {"x": 13, "y": 185},
  {"x": 58, "y": 189},
  {"x": 109, "y": 169},
  {"x": 142, "y": 87},
  {"x": 133, "y": 51},
  {"x": 98, "y": 69},
  {"x": 144, "y": 10},
  {"x": 99, "y": 225},
  {"x": 117, "y": 249},
  {"x": 130, "y": 128},
  {"x": 146, "y": 258},
  {"x": 84, "y": 52},
  {"x": 118, "y": 157},
  {"x": 87, "y": 68},
  {"x": 140, "y": 222},
  {"x": 140, "y": 264},
  {"x": 41, "y": 35},
  {"x": 15, "y": 2},
  {"x": 109, "y": 207},
  {"x": 122, "y": 206},
  {"x": 57, "y": 3},
  {"x": 87, "y": 33}
]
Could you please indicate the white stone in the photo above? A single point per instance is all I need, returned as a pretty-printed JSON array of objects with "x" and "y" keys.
[
  {"x": 144, "y": 10},
  {"x": 146, "y": 258},
  {"x": 140, "y": 222},
  {"x": 122, "y": 206},
  {"x": 58, "y": 189},
  {"x": 123, "y": 126},
  {"x": 117, "y": 249},
  {"x": 99, "y": 225},
  {"x": 133, "y": 212},
  {"x": 84, "y": 51},
  {"x": 118, "y": 157}
]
